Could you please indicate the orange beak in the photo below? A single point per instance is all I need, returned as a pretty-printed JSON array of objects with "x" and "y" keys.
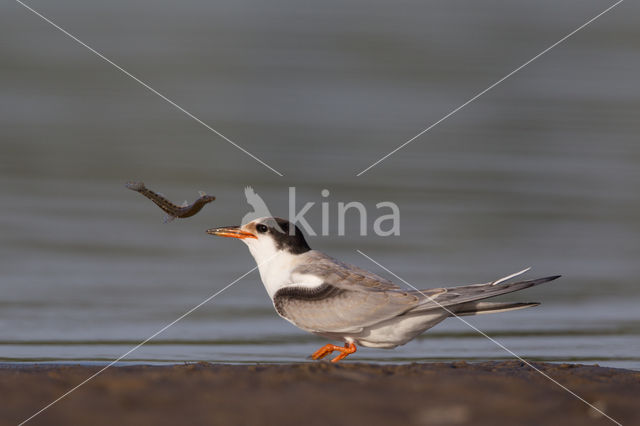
[{"x": 230, "y": 231}]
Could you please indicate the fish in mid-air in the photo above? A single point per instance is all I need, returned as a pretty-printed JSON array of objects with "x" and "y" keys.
[
  {"x": 343, "y": 302},
  {"x": 172, "y": 210}
]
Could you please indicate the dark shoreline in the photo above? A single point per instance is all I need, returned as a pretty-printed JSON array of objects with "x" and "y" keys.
[{"x": 460, "y": 393}]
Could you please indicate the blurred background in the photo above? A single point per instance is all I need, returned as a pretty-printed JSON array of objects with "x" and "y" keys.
[{"x": 542, "y": 171}]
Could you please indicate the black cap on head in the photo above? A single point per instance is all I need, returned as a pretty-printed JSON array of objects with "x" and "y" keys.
[{"x": 286, "y": 235}]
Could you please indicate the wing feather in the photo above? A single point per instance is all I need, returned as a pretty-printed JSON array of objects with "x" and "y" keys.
[
  {"x": 329, "y": 308},
  {"x": 339, "y": 274},
  {"x": 350, "y": 298},
  {"x": 458, "y": 295}
]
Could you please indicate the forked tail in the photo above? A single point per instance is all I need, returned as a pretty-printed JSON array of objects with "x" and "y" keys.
[{"x": 464, "y": 300}]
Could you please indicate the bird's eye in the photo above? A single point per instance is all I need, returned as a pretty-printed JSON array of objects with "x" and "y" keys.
[{"x": 262, "y": 228}]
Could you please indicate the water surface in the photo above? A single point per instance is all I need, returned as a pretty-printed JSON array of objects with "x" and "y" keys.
[{"x": 542, "y": 171}]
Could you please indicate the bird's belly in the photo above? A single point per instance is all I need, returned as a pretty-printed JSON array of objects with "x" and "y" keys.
[{"x": 396, "y": 331}]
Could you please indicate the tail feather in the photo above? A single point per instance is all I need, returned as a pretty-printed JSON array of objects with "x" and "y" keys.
[
  {"x": 455, "y": 297},
  {"x": 476, "y": 308}
]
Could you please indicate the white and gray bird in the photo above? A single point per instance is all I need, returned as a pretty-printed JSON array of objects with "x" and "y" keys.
[{"x": 324, "y": 296}]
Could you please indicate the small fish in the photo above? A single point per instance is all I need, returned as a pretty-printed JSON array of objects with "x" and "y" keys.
[{"x": 173, "y": 211}]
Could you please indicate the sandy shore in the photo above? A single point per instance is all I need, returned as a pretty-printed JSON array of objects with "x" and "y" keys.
[{"x": 321, "y": 394}]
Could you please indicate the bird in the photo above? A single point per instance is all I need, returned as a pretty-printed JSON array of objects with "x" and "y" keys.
[{"x": 345, "y": 303}]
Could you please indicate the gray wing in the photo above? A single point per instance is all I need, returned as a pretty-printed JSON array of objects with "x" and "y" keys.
[
  {"x": 454, "y": 296},
  {"x": 331, "y": 308},
  {"x": 339, "y": 274},
  {"x": 348, "y": 299}
]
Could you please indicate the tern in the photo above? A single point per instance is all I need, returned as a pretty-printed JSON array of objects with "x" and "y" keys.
[{"x": 343, "y": 302}]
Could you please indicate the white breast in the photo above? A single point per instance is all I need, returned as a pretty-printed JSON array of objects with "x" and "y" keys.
[{"x": 276, "y": 273}]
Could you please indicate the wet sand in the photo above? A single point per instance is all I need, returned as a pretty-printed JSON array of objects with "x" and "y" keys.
[{"x": 487, "y": 393}]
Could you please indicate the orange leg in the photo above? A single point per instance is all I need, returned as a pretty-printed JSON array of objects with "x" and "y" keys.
[{"x": 348, "y": 349}]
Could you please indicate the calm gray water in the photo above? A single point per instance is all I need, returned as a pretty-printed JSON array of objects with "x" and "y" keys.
[{"x": 542, "y": 171}]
